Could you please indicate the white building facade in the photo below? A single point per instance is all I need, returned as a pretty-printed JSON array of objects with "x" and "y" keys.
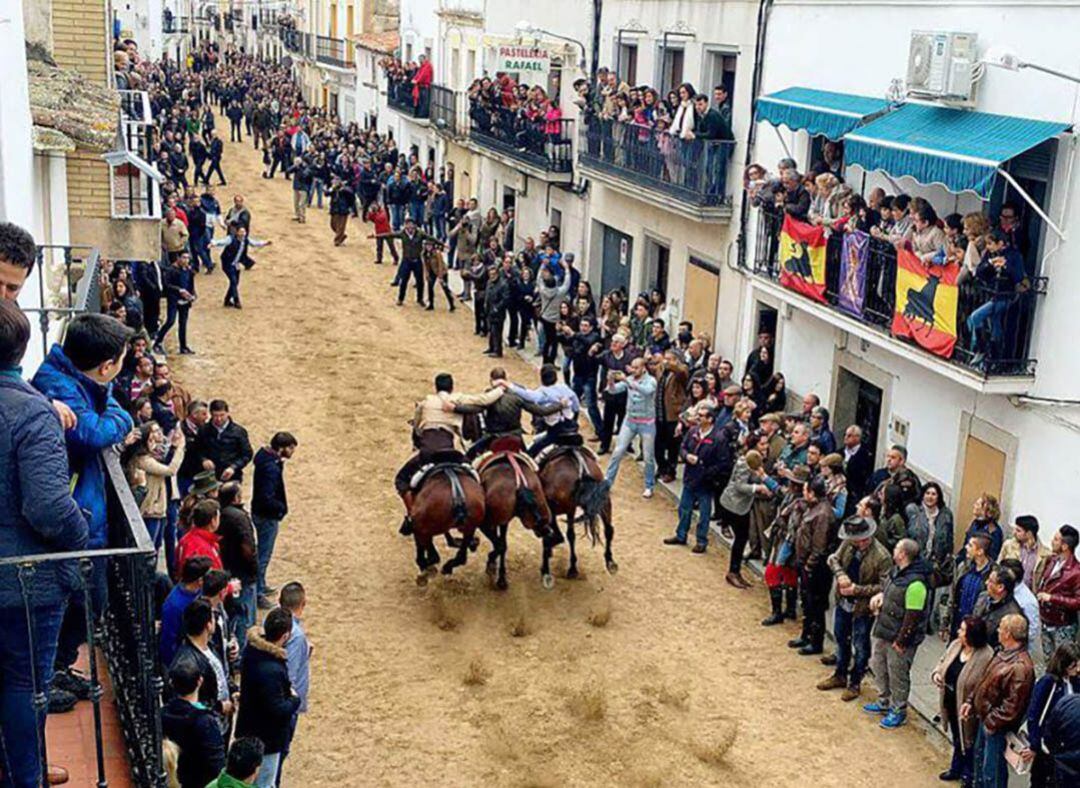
[{"x": 1010, "y": 426}]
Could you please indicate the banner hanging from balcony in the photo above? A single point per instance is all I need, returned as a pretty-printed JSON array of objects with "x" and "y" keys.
[
  {"x": 802, "y": 258},
  {"x": 926, "y": 303},
  {"x": 853, "y": 258},
  {"x": 523, "y": 61}
]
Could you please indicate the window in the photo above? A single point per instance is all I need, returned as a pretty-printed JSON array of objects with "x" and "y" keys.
[
  {"x": 671, "y": 71},
  {"x": 333, "y": 20},
  {"x": 470, "y": 65},
  {"x": 718, "y": 68},
  {"x": 408, "y": 52},
  {"x": 455, "y": 68},
  {"x": 556, "y": 219},
  {"x": 626, "y": 63}
]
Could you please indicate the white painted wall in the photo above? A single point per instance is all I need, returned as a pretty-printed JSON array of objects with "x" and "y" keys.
[{"x": 1040, "y": 32}]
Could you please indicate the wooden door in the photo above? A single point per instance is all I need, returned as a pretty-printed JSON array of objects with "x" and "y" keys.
[
  {"x": 984, "y": 472},
  {"x": 701, "y": 295}
]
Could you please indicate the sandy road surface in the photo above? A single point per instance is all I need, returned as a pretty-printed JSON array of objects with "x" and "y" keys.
[{"x": 458, "y": 684}]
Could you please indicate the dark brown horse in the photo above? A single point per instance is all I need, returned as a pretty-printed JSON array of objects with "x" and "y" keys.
[
  {"x": 511, "y": 489},
  {"x": 450, "y": 498},
  {"x": 573, "y": 480}
]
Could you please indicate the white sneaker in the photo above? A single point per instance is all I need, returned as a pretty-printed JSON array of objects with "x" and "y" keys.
[{"x": 647, "y": 493}]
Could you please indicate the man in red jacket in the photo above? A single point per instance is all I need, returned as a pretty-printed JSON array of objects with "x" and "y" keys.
[
  {"x": 1058, "y": 591},
  {"x": 202, "y": 539},
  {"x": 422, "y": 86},
  {"x": 379, "y": 217}
]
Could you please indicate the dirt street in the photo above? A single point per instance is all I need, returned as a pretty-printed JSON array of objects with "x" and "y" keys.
[{"x": 660, "y": 675}]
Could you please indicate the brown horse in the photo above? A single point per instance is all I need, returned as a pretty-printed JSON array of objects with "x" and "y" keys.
[
  {"x": 450, "y": 498},
  {"x": 573, "y": 480},
  {"x": 511, "y": 489}
]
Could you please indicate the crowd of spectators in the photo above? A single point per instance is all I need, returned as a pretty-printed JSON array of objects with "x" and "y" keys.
[{"x": 996, "y": 275}]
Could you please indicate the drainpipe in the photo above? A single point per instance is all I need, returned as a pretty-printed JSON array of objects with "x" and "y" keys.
[
  {"x": 594, "y": 65},
  {"x": 764, "y": 7}
]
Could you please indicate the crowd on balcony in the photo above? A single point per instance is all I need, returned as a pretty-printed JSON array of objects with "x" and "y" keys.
[
  {"x": 523, "y": 116},
  {"x": 408, "y": 83},
  {"x": 996, "y": 278},
  {"x": 684, "y": 137}
]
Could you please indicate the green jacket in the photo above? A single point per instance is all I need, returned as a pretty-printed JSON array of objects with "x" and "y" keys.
[{"x": 225, "y": 781}]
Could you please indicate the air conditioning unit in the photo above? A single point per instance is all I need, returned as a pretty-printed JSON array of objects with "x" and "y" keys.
[{"x": 941, "y": 65}]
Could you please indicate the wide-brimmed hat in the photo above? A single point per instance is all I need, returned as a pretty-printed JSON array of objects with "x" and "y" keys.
[
  {"x": 856, "y": 527},
  {"x": 205, "y": 483}
]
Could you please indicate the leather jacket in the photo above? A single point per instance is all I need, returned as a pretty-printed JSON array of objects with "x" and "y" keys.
[{"x": 1001, "y": 699}]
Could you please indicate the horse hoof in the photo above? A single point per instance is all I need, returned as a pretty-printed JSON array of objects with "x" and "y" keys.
[
  {"x": 490, "y": 569},
  {"x": 612, "y": 567},
  {"x": 572, "y": 573},
  {"x": 473, "y": 544},
  {"x": 448, "y": 569},
  {"x": 501, "y": 584},
  {"x": 422, "y": 579},
  {"x": 547, "y": 581}
]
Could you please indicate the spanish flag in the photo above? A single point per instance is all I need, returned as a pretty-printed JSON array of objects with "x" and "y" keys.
[
  {"x": 926, "y": 303},
  {"x": 802, "y": 258}
]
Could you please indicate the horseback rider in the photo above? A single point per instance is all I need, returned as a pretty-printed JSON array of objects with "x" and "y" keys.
[
  {"x": 502, "y": 418},
  {"x": 560, "y": 423},
  {"x": 437, "y": 434}
]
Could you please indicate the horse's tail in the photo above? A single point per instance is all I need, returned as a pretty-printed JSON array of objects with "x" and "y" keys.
[{"x": 591, "y": 495}]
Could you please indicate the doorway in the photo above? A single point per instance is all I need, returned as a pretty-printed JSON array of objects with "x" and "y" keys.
[
  {"x": 657, "y": 262},
  {"x": 983, "y": 472},
  {"x": 616, "y": 253},
  {"x": 509, "y": 198},
  {"x": 858, "y": 401},
  {"x": 701, "y": 295}
]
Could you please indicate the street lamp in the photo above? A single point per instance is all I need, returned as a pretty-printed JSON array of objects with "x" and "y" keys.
[{"x": 1000, "y": 57}]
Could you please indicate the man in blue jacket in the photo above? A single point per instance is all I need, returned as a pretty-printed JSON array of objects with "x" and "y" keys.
[
  {"x": 1001, "y": 271},
  {"x": 37, "y": 515},
  {"x": 80, "y": 373}
]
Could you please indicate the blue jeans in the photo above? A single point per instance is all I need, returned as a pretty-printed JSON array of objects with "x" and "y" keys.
[
  {"x": 73, "y": 629},
  {"x": 266, "y": 532},
  {"x": 316, "y": 189},
  {"x": 416, "y": 211},
  {"x": 990, "y": 314},
  {"x": 155, "y": 527},
  {"x": 991, "y": 770},
  {"x": 247, "y": 602},
  {"x": 627, "y": 433},
  {"x": 397, "y": 216},
  {"x": 200, "y": 253},
  {"x": 585, "y": 388},
  {"x": 268, "y": 770},
  {"x": 288, "y": 745},
  {"x": 440, "y": 226},
  {"x": 690, "y": 498},
  {"x": 852, "y": 635},
  {"x": 20, "y": 724},
  {"x": 232, "y": 273},
  {"x": 415, "y": 269},
  {"x": 172, "y": 518}
]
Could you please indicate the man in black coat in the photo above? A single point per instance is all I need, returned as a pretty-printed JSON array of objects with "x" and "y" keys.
[
  {"x": 235, "y": 114},
  {"x": 583, "y": 349},
  {"x": 858, "y": 465},
  {"x": 198, "y": 623},
  {"x": 216, "y": 148},
  {"x": 239, "y": 554},
  {"x": 198, "y": 234},
  {"x": 179, "y": 295},
  {"x": 269, "y": 701},
  {"x": 150, "y": 280},
  {"x": 234, "y": 255},
  {"x": 496, "y": 302},
  {"x": 269, "y": 504},
  {"x": 193, "y": 727},
  {"x": 199, "y": 154},
  {"x": 223, "y": 444}
]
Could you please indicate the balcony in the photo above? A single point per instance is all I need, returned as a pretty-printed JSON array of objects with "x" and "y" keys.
[
  {"x": 134, "y": 181},
  {"x": 1008, "y": 369},
  {"x": 688, "y": 177},
  {"x": 545, "y": 146},
  {"x": 448, "y": 114},
  {"x": 335, "y": 52},
  {"x": 174, "y": 25},
  {"x": 399, "y": 97},
  {"x": 297, "y": 42},
  {"x": 126, "y": 635}
]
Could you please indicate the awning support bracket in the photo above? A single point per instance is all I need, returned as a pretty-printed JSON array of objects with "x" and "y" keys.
[{"x": 1034, "y": 205}]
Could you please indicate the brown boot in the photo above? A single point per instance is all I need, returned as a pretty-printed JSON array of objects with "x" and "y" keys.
[
  {"x": 850, "y": 693},
  {"x": 831, "y": 683},
  {"x": 57, "y": 775}
]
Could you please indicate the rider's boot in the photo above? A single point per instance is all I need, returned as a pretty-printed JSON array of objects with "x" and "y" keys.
[{"x": 406, "y": 528}]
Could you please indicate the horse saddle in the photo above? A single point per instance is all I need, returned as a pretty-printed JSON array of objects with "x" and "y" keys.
[
  {"x": 489, "y": 458},
  {"x": 580, "y": 452},
  {"x": 420, "y": 478}
]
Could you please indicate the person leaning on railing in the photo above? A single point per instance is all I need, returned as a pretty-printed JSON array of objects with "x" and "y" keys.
[{"x": 37, "y": 515}]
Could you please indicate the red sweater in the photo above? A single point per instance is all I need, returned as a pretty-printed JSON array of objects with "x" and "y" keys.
[{"x": 199, "y": 541}]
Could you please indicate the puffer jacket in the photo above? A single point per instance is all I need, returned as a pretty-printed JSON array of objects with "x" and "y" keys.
[
  {"x": 1001, "y": 699},
  {"x": 102, "y": 423},
  {"x": 37, "y": 512},
  {"x": 738, "y": 496}
]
